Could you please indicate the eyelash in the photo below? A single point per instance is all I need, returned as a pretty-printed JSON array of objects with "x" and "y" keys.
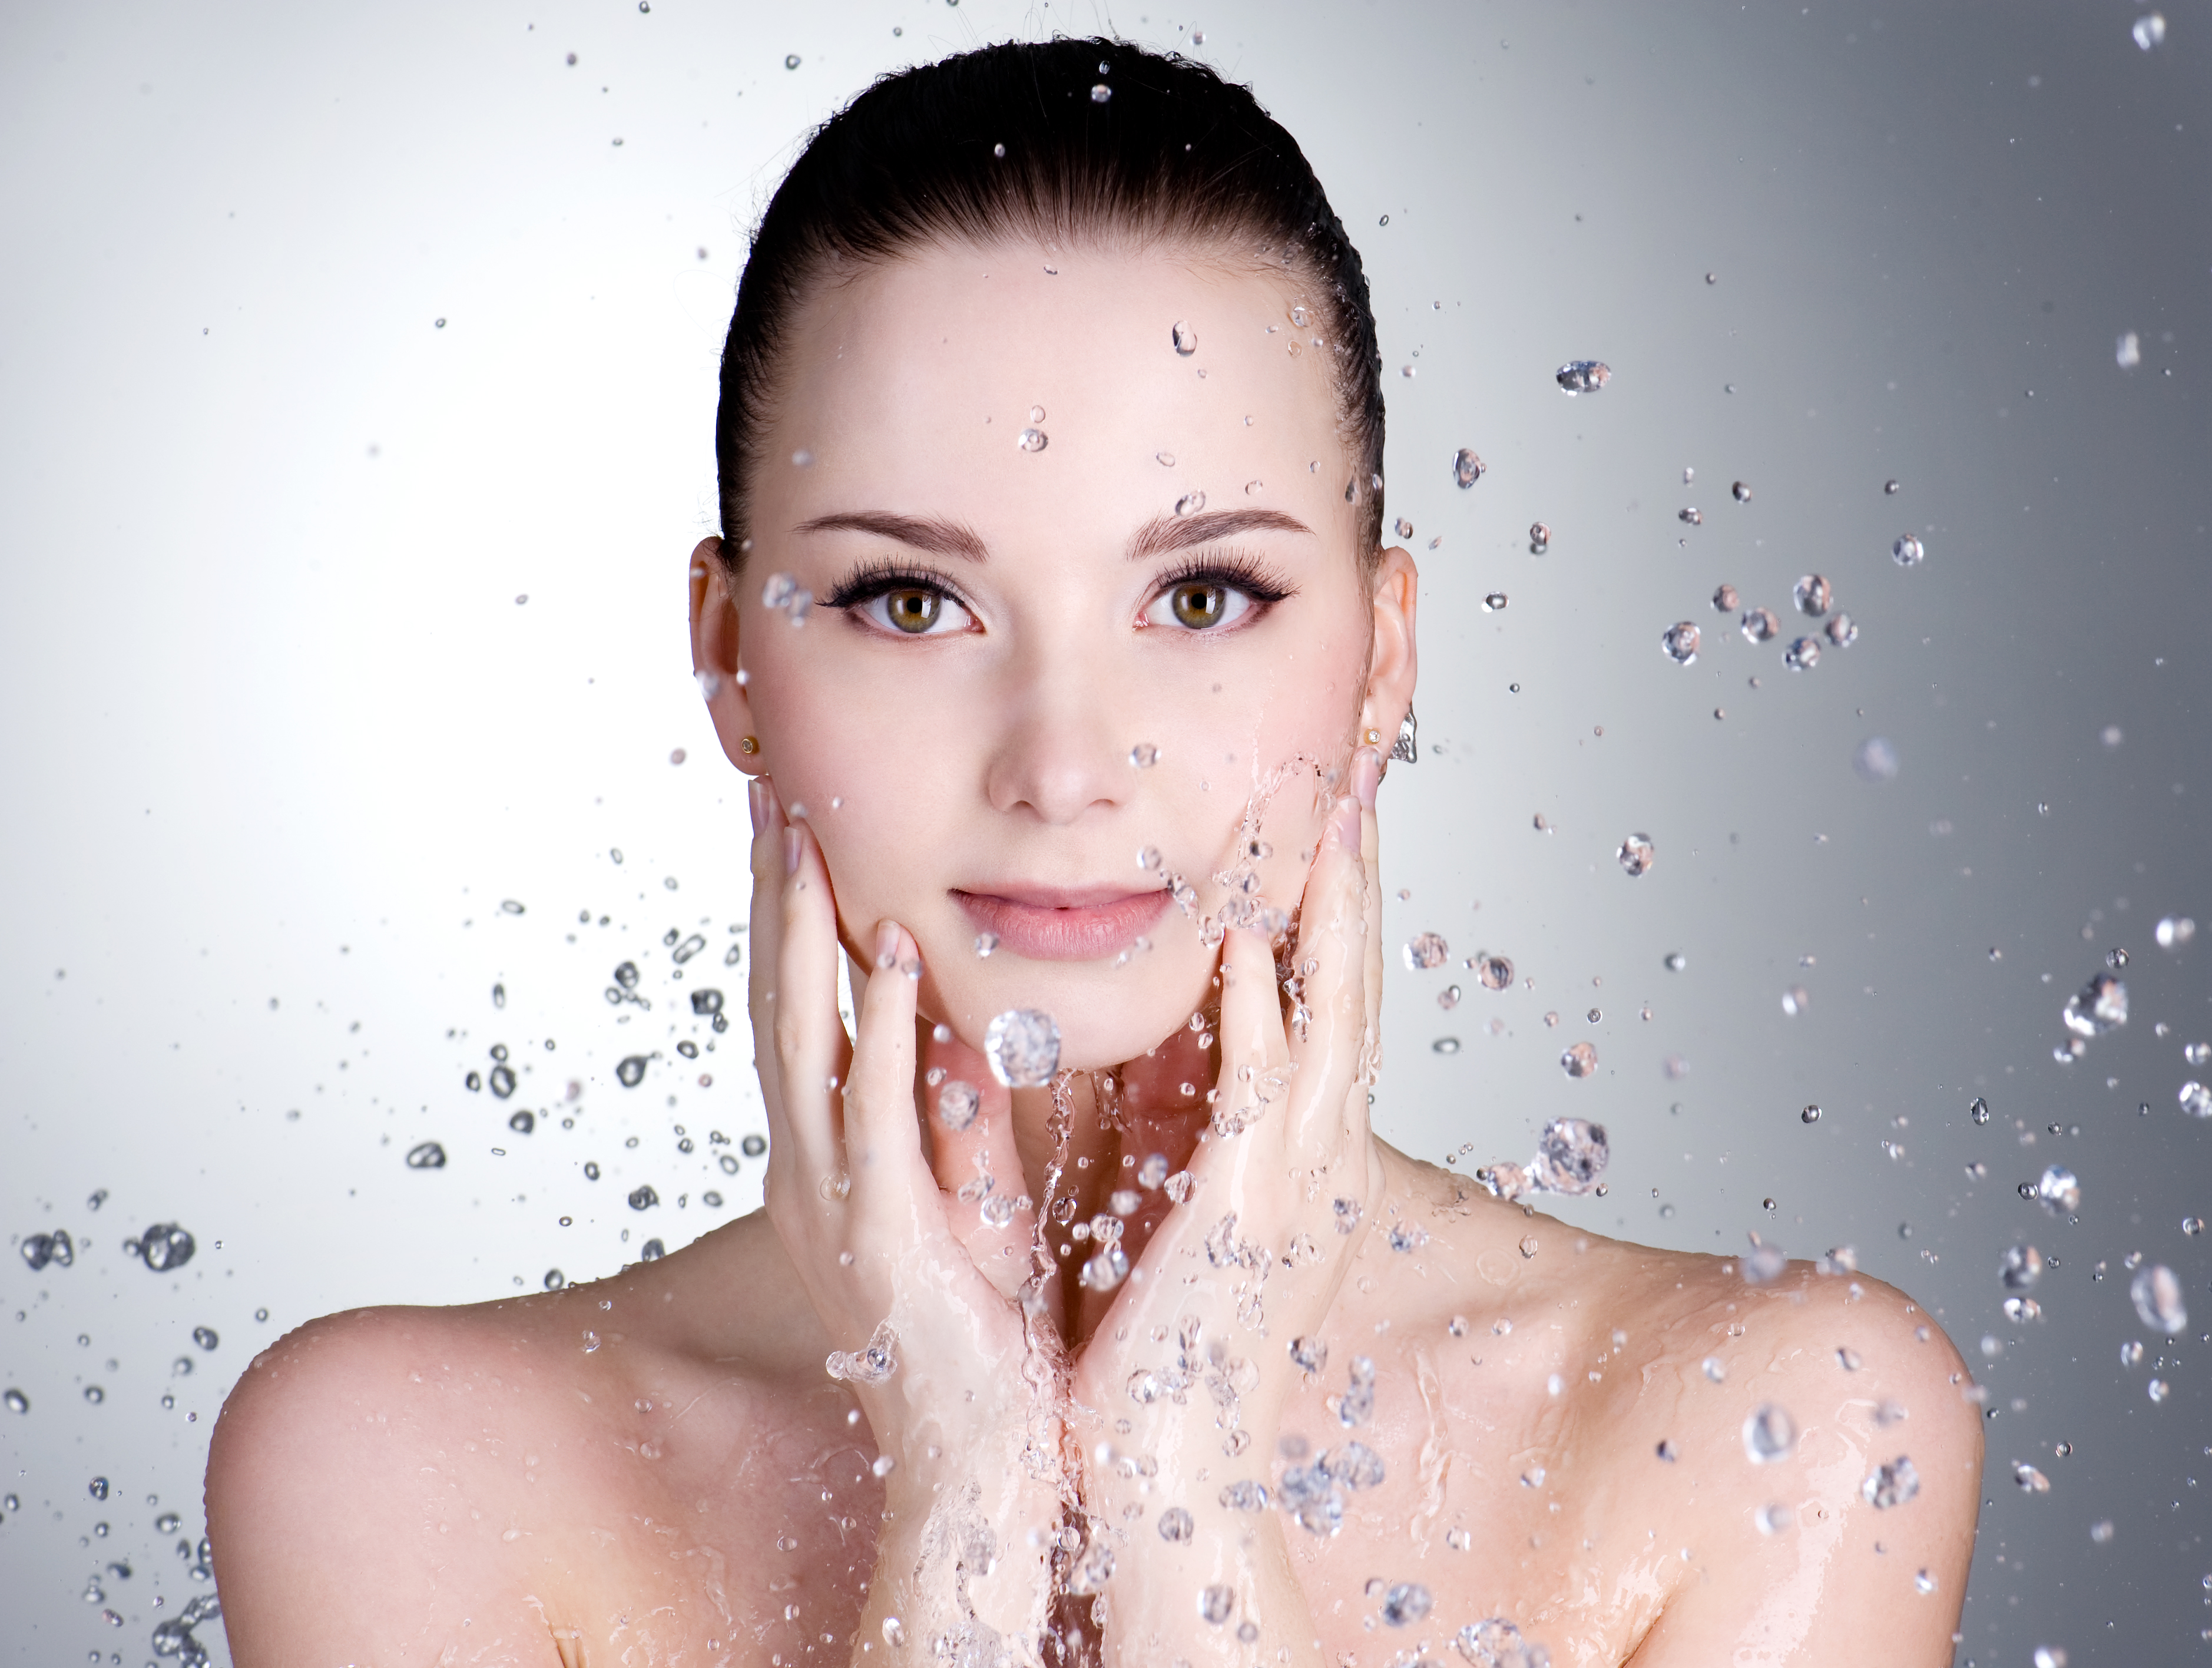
[
  {"x": 1236, "y": 569},
  {"x": 880, "y": 576}
]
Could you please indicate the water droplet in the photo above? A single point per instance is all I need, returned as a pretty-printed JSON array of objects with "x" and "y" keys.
[
  {"x": 1032, "y": 440},
  {"x": 1769, "y": 1435},
  {"x": 1022, "y": 1047},
  {"x": 869, "y": 1366},
  {"x": 1144, "y": 755},
  {"x": 1467, "y": 469},
  {"x": 1102, "y": 94},
  {"x": 1810, "y": 1115},
  {"x": 2149, "y": 31},
  {"x": 1427, "y": 951},
  {"x": 1582, "y": 376},
  {"x": 2157, "y": 1295},
  {"x": 1908, "y": 552},
  {"x": 1540, "y": 535},
  {"x": 2029, "y": 1480},
  {"x": 1802, "y": 654},
  {"x": 2059, "y": 1191},
  {"x": 1580, "y": 1060},
  {"x": 629, "y": 1071},
  {"x": 2100, "y": 1007},
  {"x": 791, "y": 60},
  {"x": 1190, "y": 504},
  {"x": 1741, "y": 491},
  {"x": 643, "y": 1198},
  {"x": 2173, "y": 931},
  {"x": 2019, "y": 1267},
  {"x": 2195, "y": 1099},
  {"x": 1795, "y": 1000},
  {"x": 1406, "y": 1603},
  {"x": 1759, "y": 624},
  {"x": 1491, "y": 972},
  {"x": 1636, "y": 855},
  {"x": 1184, "y": 338},
  {"x": 1763, "y": 1264},
  {"x": 894, "y": 1629},
  {"x": 1875, "y": 759},
  {"x": 1217, "y": 1603},
  {"x": 94, "y": 1394},
  {"x": 1812, "y": 595},
  {"x": 1680, "y": 642},
  {"x": 1726, "y": 600}
]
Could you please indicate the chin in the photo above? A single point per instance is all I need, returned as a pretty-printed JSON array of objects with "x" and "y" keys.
[{"x": 1107, "y": 1014}]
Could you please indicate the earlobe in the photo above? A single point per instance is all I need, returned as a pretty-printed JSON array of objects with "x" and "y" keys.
[
  {"x": 1393, "y": 665},
  {"x": 714, "y": 659}
]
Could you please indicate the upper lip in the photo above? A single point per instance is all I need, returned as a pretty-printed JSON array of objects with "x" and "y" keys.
[{"x": 1055, "y": 898}]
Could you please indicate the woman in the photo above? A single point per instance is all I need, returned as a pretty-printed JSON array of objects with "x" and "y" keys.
[{"x": 1086, "y": 1317}]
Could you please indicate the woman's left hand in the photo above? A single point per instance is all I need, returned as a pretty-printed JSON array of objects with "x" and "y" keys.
[{"x": 1239, "y": 1280}]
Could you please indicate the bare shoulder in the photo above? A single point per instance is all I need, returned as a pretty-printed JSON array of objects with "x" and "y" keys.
[
  {"x": 1822, "y": 1442},
  {"x": 411, "y": 1477}
]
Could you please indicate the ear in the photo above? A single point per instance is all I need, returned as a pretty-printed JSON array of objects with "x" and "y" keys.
[
  {"x": 714, "y": 655},
  {"x": 1392, "y": 663}
]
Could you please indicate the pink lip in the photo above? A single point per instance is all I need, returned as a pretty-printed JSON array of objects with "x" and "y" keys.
[{"x": 1076, "y": 925}]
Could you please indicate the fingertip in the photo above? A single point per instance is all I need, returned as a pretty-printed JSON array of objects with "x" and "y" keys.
[{"x": 1366, "y": 776}]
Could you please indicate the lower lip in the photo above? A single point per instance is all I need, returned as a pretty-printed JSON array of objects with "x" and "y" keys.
[{"x": 1039, "y": 932}]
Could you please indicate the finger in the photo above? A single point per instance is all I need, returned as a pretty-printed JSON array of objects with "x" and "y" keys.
[
  {"x": 1332, "y": 954},
  {"x": 811, "y": 1045},
  {"x": 767, "y": 934},
  {"x": 883, "y": 1145},
  {"x": 1253, "y": 1050},
  {"x": 1366, "y": 778},
  {"x": 968, "y": 1147}
]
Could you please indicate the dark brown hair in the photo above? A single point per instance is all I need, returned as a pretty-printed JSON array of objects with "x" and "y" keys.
[{"x": 1048, "y": 141}]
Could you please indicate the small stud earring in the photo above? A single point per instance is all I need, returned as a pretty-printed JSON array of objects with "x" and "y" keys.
[
  {"x": 750, "y": 744},
  {"x": 1373, "y": 738}
]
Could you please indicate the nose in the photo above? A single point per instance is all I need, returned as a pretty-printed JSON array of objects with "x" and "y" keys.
[{"x": 1061, "y": 756}]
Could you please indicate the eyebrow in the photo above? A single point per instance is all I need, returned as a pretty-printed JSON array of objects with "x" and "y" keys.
[
  {"x": 1163, "y": 533},
  {"x": 921, "y": 533}
]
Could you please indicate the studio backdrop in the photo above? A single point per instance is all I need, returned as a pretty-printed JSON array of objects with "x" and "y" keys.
[{"x": 1813, "y": 708}]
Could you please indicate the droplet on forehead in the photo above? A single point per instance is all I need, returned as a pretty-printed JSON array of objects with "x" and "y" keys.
[
  {"x": 1165, "y": 460},
  {"x": 1190, "y": 504},
  {"x": 1022, "y": 1047},
  {"x": 1032, "y": 440},
  {"x": 1185, "y": 339},
  {"x": 1036, "y": 414}
]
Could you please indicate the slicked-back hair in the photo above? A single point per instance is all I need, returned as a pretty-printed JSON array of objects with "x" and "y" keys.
[{"x": 1013, "y": 142}]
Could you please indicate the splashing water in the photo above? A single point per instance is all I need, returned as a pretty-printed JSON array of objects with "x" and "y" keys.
[{"x": 873, "y": 1365}]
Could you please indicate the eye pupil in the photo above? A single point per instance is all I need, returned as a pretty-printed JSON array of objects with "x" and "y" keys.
[
  {"x": 1198, "y": 605},
  {"x": 913, "y": 611}
]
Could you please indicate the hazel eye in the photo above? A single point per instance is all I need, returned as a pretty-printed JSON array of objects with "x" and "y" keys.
[
  {"x": 915, "y": 611},
  {"x": 1198, "y": 605}
]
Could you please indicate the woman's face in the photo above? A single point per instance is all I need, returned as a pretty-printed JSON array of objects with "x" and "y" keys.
[{"x": 1087, "y": 616}]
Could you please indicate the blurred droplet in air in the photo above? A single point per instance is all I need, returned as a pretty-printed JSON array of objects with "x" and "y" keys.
[
  {"x": 1467, "y": 468},
  {"x": 1579, "y": 1061},
  {"x": 1022, "y": 1047},
  {"x": 1908, "y": 552},
  {"x": 1582, "y": 376},
  {"x": 1759, "y": 624},
  {"x": 2157, "y": 1295},
  {"x": 1427, "y": 951},
  {"x": 1812, "y": 595},
  {"x": 2149, "y": 31},
  {"x": 1877, "y": 759},
  {"x": 1680, "y": 642},
  {"x": 1636, "y": 855},
  {"x": 1769, "y": 1435}
]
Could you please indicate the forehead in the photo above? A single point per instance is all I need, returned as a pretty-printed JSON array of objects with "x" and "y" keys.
[{"x": 910, "y": 387}]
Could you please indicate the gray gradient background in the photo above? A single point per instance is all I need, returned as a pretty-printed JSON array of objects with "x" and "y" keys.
[{"x": 279, "y": 737}]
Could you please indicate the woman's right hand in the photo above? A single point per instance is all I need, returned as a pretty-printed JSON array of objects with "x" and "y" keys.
[{"x": 934, "y": 1351}]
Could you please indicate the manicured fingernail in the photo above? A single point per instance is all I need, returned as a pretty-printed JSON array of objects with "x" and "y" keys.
[
  {"x": 1346, "y": 820},
  {"x": 757, "y": 802},
  {"x": 887, "y": 942},
  {"x": 792, "y": 838},
  {"x": 1366, "y": 774}
]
